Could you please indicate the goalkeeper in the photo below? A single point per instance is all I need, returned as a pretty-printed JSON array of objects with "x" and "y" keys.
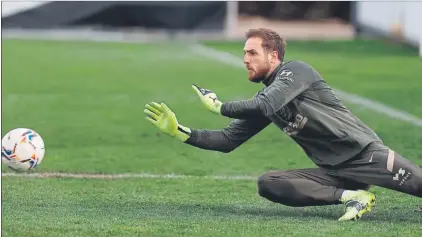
[{"x": 349, "y": 155}]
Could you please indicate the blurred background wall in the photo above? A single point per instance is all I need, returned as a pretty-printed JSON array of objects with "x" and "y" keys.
[{"x": 400, "y": 21}]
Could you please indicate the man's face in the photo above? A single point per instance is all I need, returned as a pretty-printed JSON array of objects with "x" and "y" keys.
[{"x": 257, "y": 61}]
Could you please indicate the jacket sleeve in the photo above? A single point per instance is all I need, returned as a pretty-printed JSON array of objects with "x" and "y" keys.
[
  {"x": 290, "y": 82},
  {"x": 227, "y": 139}
]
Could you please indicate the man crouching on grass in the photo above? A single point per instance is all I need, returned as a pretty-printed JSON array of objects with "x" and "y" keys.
[{"x": 349, "y": 155}]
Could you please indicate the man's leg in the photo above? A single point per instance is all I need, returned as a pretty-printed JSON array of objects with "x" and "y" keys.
[
  {"x": 379, "y": 166},
  {"x": 304, "y": 187},
  {"x": 384, "y": 168}
]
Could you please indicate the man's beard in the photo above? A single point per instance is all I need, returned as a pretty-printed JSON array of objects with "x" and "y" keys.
[{"x": 263, "y": 73}]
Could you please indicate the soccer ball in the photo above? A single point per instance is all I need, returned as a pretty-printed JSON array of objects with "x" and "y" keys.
[{"x": 22, "y": 149}]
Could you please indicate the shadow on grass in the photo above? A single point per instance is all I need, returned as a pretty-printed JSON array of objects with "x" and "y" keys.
[{"x": 265, "y": 212}]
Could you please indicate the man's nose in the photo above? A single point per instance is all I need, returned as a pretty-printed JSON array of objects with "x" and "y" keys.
[{"x": 246, "y": 60}]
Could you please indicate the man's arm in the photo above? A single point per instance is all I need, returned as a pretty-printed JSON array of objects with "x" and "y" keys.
[
  {"x": 224, "y": 140},
  {"x": 229, "y": 138},
  {"x": 289, "y": 83}
]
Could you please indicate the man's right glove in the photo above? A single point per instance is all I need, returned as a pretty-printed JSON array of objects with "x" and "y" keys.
[
  {"x": 209, "y": 99},
  {"x": 165, "y": 120}
]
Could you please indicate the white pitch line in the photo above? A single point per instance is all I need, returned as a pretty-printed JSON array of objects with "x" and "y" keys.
[
  {"x": 123, "y": 176},
  {"x": 235, "y": 61}
]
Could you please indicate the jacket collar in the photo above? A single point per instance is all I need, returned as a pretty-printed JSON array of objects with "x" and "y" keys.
[{"x": 270, "y": 79}]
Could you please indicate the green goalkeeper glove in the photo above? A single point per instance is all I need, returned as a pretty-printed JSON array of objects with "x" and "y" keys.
[
  {"x": 209, "y": 99},
  {"x": 165, "y": 120}
]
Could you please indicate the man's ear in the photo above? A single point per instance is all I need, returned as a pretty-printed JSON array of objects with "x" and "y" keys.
[{"x": 274, "y": 56}]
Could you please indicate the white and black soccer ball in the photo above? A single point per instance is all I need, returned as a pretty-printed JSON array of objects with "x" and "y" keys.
[{"x": 22, "y": 149}]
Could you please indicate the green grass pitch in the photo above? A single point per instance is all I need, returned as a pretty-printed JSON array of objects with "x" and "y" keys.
[{"x": 86, "y": 100}]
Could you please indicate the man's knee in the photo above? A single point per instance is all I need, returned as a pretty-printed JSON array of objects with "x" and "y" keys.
[
  {"x": 264, "y": 183},
  {"x": 408, "y": 178},
  {"x": 414, "y": 184},
  {"x": 273, "y": 186}
]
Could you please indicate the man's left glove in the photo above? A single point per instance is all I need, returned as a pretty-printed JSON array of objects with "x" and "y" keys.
[
  {"x": 209, "y": 99},
  {"x": 165, "y": 120}
]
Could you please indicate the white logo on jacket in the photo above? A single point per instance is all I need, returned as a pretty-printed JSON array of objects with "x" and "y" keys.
[{"x": 286, "y": 75}]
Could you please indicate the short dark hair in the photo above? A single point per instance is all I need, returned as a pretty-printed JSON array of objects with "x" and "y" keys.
[{"x": 271, "y": 41}]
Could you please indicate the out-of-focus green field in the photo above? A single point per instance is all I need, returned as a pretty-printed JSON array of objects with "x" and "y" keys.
[{"x": 86, "y": 100}]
